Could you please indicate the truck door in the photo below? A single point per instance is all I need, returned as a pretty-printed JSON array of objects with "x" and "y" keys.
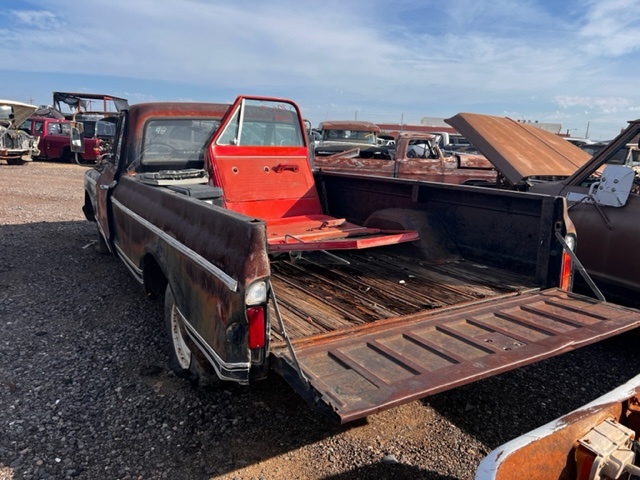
[
  {"x": 606, "y": 245},
  {"x": 259, "y": 159},
  {"x": 107, "y": 181},
  {"x": 56, "y": 139}
]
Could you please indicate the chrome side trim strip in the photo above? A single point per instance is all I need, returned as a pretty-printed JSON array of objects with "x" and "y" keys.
[
  {"x": 231, "y": 283},
  {"x": 133, "y": 268}
]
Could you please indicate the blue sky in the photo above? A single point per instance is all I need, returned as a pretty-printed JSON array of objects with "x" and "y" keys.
[{"x": 574, "y": 62}]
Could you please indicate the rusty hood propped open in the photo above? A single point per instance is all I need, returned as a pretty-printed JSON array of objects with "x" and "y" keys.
[
  {"x": 373, "y": 367},
  {"x": 519, "y": 150}
]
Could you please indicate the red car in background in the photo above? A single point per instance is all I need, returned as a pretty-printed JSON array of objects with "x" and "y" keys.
[
  {"x": 55, "y": 140},
  {"x": 54, "y": 137}
]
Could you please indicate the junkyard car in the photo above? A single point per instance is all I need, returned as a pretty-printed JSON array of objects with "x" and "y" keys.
[
  {"x": 415, "y": 156},
  {"x": 340, "y": 136},
  {"x": 16, "y": 146}
]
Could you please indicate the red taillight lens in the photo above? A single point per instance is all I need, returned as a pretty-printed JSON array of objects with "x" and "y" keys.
[
  {"x": 256, "y": 327},
  {"x": 566, "y": 272}
]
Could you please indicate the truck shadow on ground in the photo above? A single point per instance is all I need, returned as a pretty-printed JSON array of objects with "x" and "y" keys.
[{"x": 390, "y": 472}]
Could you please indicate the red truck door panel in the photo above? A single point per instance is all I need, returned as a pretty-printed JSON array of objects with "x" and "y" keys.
[
  {"x": 281, "y": 190},
  {"x": 269, "y": 183},
  {"x": 373, "y": 367}
]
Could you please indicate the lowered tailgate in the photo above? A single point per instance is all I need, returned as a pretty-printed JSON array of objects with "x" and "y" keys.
[{"x": 369, "y": 368}]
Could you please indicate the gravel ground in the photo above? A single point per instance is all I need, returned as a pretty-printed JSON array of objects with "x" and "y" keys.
[{"x": 85, "y": 391}]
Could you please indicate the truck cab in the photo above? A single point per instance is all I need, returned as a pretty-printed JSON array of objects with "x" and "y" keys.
[{"x": 54, "y": 137}]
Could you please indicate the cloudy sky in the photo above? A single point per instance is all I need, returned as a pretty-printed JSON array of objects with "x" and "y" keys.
[{"x": 574, "y": 62}]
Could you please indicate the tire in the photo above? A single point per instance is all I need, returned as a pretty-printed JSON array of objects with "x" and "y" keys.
[
  {"x": 16, "y": 161},
  {"x": 67, "y": 157},
  {"x": 185, "y": 360}
]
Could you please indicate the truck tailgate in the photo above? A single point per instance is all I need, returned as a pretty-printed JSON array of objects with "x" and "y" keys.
[{"x": 359, "y": 371}]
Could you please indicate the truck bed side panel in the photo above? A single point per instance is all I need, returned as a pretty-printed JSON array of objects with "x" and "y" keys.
[{"x": 208, "y": 273}]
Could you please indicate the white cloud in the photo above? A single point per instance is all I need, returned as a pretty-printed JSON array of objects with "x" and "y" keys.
[
  {"x": 40, "y": 19},
  {"x": 407, "y": 55},
  {"x": 605, "y": 105},
  {"x": 611, "y": 27}
]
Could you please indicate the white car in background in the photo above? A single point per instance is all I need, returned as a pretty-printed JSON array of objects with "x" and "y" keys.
[{"x": 17, "y": 147}]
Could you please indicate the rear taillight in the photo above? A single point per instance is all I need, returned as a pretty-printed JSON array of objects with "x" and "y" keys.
[
  {"x": 255, "y": 315},
  {"x": 255, "y": 298},
  {"x": 566, "y": 269}
]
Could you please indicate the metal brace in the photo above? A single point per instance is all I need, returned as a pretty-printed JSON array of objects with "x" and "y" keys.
[
  {"x": 298, "y": 254},
  {"x": 294, "y": 358},
  {"x": 581, "y": 268}
]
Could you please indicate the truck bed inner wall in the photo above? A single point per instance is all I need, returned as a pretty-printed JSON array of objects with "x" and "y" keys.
[{"x": 494, "y": 227}]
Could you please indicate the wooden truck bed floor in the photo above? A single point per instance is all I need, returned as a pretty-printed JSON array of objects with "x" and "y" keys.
[{"x": 314, "y": 298}]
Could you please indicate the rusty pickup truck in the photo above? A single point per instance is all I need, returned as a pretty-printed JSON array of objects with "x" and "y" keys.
[
  {"x": 362, "y": 292},
  {"x": 417, "y": 156},
  {"x": 343, "y": 135}
]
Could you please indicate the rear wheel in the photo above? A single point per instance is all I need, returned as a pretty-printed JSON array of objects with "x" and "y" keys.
[
  {"x": 180, "y": 356},
  {"x": 184, "y": 357}
]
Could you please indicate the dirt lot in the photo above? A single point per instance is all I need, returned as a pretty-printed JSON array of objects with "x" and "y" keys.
[{"x": 85, "y": 391}]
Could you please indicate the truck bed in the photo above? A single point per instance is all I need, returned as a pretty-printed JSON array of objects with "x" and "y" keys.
[{"x": 316, "y": 298}]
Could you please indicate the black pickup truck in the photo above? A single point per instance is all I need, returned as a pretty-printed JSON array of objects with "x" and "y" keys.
[{"x": 362, "y": 292}]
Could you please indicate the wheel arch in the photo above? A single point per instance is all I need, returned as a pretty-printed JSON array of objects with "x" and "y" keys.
[
  {"x": 154, "y": 279},
  {"x": 87, "y": 208}
]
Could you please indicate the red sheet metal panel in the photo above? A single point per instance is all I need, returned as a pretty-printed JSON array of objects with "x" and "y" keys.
[
  {"x": 322, "y": 232},
  {"x": 370, "y": 368}
]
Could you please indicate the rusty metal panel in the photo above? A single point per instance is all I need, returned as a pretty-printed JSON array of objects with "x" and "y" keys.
[
  {"x": 548, "y": 452},
  {"x": 368, "y": 368},
  {"x": 519, "y": 150},
  {"x": 350, "y": 125}
]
